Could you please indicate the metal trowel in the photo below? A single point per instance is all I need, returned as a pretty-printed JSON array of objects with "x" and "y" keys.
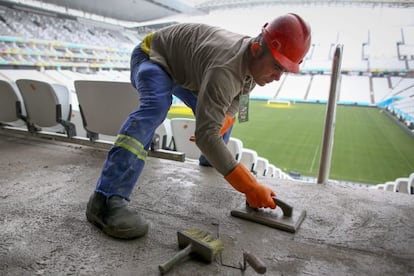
[{"x": 284, "y": 217}]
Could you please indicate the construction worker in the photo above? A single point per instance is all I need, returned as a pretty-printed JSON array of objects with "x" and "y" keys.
[{"x": 210, "y": 70}]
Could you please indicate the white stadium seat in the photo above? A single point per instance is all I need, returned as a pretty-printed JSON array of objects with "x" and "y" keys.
[
  {"x": 11, "y": 104},
  {"x": 182, "y": 130},
  {"x": 105, "y": 105},
  {"x": 47, "y": 105},
  {"x": 235, "y": 146},
  {"x": 262, "y": 166},
  {"x": 249, "y": 159}
]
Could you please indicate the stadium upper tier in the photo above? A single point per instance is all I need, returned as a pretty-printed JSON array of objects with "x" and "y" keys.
[
  {"x": 29, "y": 39},
  {"x": 47, "y": 40}
]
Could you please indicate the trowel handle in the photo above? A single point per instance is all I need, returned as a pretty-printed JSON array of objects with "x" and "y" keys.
[
  {"x": 256, "y": 263},
  {"x": 286, "y": 208},
  {"x": 165, "y": 267}
]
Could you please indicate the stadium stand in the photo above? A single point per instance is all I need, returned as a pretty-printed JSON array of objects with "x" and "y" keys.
[
  {"x": 381, "y": 51},
  {"x": 294, "y": 88},
  {"x": 399, "y": 101},
  {"x": 355, "y": 90},
  {"x": 13, "y": 75},
  {"x": 353, "y": 41},
  {"x": 380, "y": 87},
  {"x": 405, "y": 46},
  {"x": 319, "y": 90},
  {"x": 319, "y": 58},
  {"x": 29, "y": 39},
  {"x": 266, "y": 92}
]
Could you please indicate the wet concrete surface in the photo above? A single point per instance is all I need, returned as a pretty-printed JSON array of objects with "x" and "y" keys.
[{"x": 45, "y": 186}]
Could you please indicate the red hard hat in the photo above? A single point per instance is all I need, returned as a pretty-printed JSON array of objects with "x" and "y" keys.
[{"x": 288, "y": 37}]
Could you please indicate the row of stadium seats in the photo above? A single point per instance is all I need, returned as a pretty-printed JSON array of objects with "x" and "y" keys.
[
  {"x": 356, "y": 90},
  {"x": 401, "y": 103},
  {"x": 41, "y": 107},
  {"x": 258, "y": 165},
  {"x": 399, "y": 185},
  {"x": 175, "y": 133},
  {"x": 37, "y": 105}
]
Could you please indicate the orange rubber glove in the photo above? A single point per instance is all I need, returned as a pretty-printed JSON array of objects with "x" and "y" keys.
[
  {"x": 227, "y": 123},
  {"x": 257, "y": 195}
]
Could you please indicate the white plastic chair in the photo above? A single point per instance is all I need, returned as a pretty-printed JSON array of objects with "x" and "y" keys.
[
  {"x": 389, "y": 186},
  {"x": 182, "y": 129},
  {"x": 401, "y": 185},
  {"x": 249, "y": 159},
  {"x": 380, "y": 186},
  {"x": 47, "y": 106},
  {"x": 11, "y": 105},
  {"x": 404, "y": 184},
  {"x": 235, "y": 146},
  {"x": 271, "y": 169},
  {"x": 262, "y": 166},
  {"x": 105, "y": 105},
  {"x": 164, "y": 133},
  {"x": 411, "y": 183}
]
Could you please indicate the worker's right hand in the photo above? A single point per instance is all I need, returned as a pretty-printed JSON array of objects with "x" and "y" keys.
[
  {"x": 257, "y": 195},
  {"x": 261, "y": 196}
]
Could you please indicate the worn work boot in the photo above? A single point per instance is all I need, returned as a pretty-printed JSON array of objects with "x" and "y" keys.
[{"x": 114, "y": 217}]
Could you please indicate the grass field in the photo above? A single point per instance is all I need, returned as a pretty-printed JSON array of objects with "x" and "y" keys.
[{"x": 368, "y": 146}]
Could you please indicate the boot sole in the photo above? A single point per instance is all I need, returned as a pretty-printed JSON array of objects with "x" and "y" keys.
[{"x": 127, "y": 234}]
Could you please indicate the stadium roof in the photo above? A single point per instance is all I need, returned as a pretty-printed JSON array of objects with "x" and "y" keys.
[
  {"x": 124, "y": 10},
  {"x": 207, "y": 5},
  {"x": 146, "y": 10}
]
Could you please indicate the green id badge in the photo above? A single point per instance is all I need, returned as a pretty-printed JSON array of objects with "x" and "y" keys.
[{"x": 243, "y": 108}]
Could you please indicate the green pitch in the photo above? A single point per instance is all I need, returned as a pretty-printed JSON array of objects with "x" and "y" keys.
[{"x": 368, "y": 146}]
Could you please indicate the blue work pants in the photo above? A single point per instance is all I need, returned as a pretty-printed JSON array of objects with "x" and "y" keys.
[{"x": 126, "y": 159}]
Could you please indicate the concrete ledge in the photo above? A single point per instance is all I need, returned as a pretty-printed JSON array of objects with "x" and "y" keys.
[{"x": 43, "y": 230}]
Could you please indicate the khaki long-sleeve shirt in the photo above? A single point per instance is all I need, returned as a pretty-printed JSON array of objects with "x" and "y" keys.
[{"x": 212, "y": 63}]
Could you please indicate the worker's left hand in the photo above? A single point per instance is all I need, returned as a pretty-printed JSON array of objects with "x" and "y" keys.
[{"x": 227, "y": 123}]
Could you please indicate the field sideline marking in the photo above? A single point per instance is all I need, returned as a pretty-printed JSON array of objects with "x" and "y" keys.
[{"x": 314, "y": 158}]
